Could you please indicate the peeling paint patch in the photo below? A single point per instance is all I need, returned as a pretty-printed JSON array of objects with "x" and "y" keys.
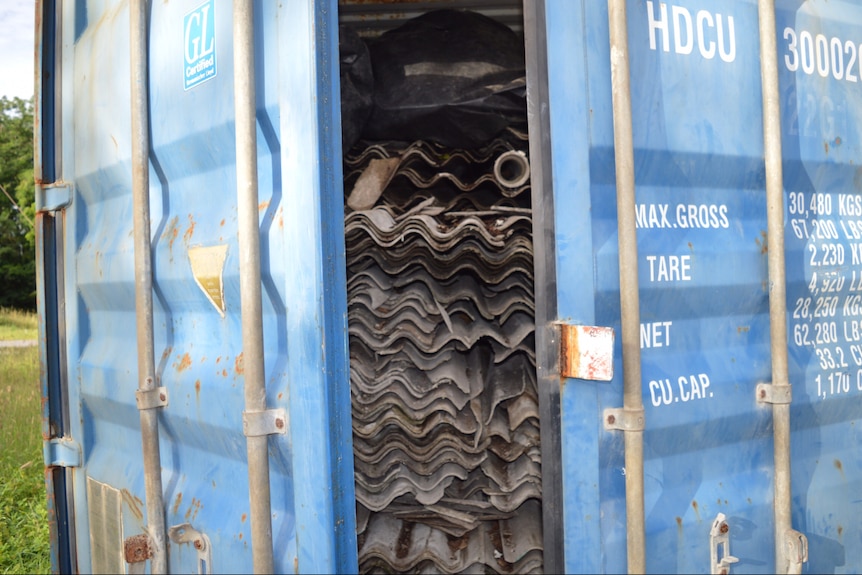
[
  {"x": 834, "y": 143},
  {"x": 207, "y": 265}
]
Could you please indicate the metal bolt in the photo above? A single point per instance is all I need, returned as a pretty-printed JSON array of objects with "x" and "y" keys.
[
  {"x": 762, "y": 394},
  {"x": 279, "y": 423},
  {"x": 611, "y": 419},
  {"x": 723, "y": 528},
  {"x": 163, "y": 397},
  {"x": 199, "y": 544}
]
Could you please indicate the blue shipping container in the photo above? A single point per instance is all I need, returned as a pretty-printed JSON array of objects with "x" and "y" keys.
[{"x": 245, "y": 370}]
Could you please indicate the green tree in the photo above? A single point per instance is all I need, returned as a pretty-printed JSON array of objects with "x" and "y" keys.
[{"x": 17, "y": 205}]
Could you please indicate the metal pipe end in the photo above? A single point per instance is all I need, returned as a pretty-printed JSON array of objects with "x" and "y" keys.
[{"x": 512, "y": 169}]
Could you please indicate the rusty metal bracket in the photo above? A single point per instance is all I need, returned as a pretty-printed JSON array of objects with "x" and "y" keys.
[
  {"x": 185, "y": 533},
  {"x": 152, "y": 398},
  {"x": 622, "y": 419},
  {"x": 586, "y": 352},
  {"x": 719, "y": 547},
  {"x": 268, "y": 422},
  {"x": 137, "y": 548},
  {"x": 773, "y": 394}
]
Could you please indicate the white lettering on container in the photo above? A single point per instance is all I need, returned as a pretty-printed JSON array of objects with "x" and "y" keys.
[
  {"x": 655, "y": 334},
  {"x": 689, "y": 216},
  {"x": 815, "y": 53},
  {"x": 669, "y": 268},
  {"x": 707, "y": 27},
  {"x": 684, "y": 389}
]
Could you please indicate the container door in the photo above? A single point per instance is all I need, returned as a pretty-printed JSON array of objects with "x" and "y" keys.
[
  {"x": 821, "y": 121},
  {"x": 88, "y": 286},
  {"x": 704, "y": 286}
]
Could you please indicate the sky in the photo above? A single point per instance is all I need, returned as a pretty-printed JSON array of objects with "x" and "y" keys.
[{"x": 17, "y": 18}]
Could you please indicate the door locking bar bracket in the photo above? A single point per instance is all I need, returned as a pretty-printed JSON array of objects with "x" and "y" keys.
[
  {"x": 797, "y": 547},
  {"x": 137, "y": 550},
  {"x": 151, "y": 399},
  {"x": 719, "y": 546},
  {"x": 622, "y": 419},
  {"x": 268, "y": 422},
  {"x": 185, "y": 533},
  {"x": 774, "y": 394}
]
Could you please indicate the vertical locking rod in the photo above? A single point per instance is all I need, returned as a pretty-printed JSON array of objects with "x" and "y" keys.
[
  {"x": 139, "y": 10},
  {"x": 629, "y": 296},
  {"x": 250, "y": 283},
  {"x": 777, "y": 282}
]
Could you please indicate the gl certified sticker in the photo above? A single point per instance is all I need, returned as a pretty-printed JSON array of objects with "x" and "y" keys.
[{"x": 199, "y": 44}]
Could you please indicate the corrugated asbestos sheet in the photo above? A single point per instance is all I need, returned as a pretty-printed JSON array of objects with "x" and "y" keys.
[{"x": 443, "y": 378}]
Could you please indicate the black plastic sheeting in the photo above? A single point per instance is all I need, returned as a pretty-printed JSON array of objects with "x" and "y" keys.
[
  {"x": 457, "y": 78},
  {"x": 357, "y": 86}
]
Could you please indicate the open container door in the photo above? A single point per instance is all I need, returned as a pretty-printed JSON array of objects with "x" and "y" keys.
[
  {"x": 88, "y": 288},
  {"x": 705, "y": 345}
]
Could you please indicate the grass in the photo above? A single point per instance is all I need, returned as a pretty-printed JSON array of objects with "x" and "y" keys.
[
  {"x": 16, "y": 324},
  {"x": 24, "y": 541}
]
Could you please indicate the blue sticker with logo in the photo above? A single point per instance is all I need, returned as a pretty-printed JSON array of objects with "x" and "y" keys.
[{"x": 199, "y": 43}]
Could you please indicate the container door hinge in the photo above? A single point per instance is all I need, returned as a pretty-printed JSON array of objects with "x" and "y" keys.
[
  {"x": 586, "y": 352},
  {"x": 773, "y": 394},
  {"x": 151, "y": 398},
  {"x": 269, "y": 422},
  {"x": 797, "y": 549},
  {"x": 61, "y": 452},
  {"x": 185, "y": 533},
  {"x": 622, "y": 419},
  {"x": 719, "y": 546},
  {"x": 53, "y": 197}
]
